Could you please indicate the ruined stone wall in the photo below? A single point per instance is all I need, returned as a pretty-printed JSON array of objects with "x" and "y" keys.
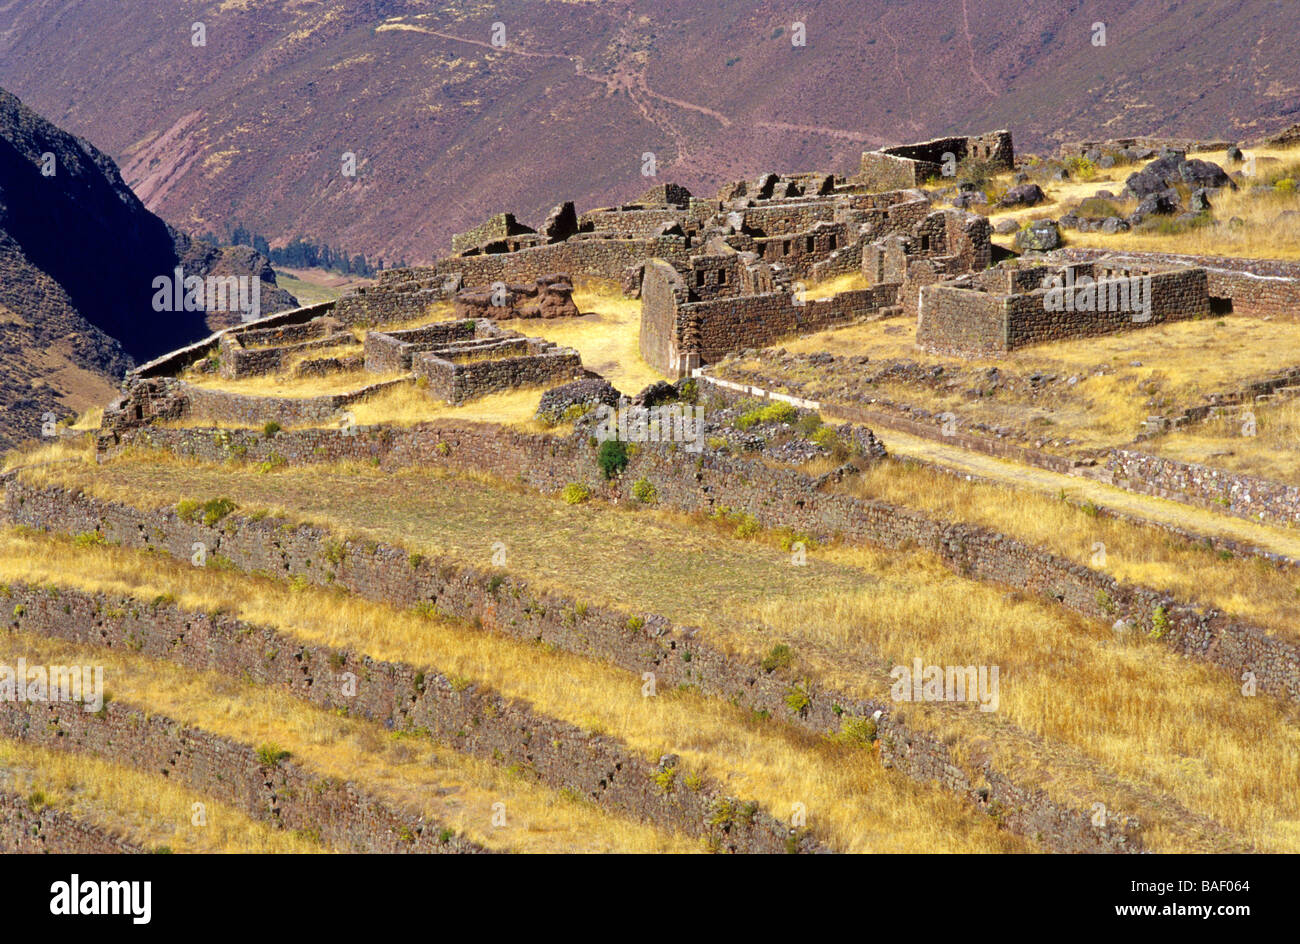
[
  {"x": 639, "y": 222},
  {"x": 1246, "y": 496},
  {"x": 204, "y": 403},
  {"x": 381, "y": 304},
  {"x": 593, "y": 257},
  {"x": 287, "y": 794},
  {"x": 966, "y": 322},
  {"x": 1255, "y": 286},
  {"x": 880, "y": 171},
  {"x": 783, "y": 219},
  {"x": 390, "y": 351},
  {"x": 387, "y": 573},
  {"x": 49, "y": 830},
  {"x": 961, "y": 322},
  {"x": 473, "y": 720},
  {"x": 1175, "y": 296},
  {"x": 663, "y": 291},
  {"x": 720, "y": 327},
  {"x": 459, "y": 382},
  {"x": 799, "y": 252},
  {"x": 494, "y": 229}
]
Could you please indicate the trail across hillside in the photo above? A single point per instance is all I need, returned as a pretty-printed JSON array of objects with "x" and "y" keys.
[{"x": 1158, "y": 511}]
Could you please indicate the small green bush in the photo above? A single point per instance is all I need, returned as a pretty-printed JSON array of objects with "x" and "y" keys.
[
  {"x": 612, "y": 457},
  {"x": 270, "y": 429}
]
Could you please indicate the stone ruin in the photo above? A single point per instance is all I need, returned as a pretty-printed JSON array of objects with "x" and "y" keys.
[
  {"x": 911, "y": 165},
  {"x": 551, "y": 296},
  {"x": 1013, "y": 305},
  {"x": 457, "y": 361}
]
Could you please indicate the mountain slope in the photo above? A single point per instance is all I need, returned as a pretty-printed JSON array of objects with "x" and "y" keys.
[
  {"x": 78, "y": 257},
  {"x": 252, "y": 127}
]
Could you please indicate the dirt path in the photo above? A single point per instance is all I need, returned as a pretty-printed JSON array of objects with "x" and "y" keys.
[{"x": 1155, "y": 510}]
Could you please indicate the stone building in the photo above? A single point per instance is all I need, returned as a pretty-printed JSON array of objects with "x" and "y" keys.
[{"x": 1014, "y": 305}]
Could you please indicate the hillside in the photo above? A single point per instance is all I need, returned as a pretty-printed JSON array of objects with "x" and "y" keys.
[
  {"x": 78, "y": 256},
  {"x": 251, "y": 128}
]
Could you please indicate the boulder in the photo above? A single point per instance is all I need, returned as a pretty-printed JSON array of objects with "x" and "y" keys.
[
  {"x": 1200, "y": 202},
  {"x": 1039, "y": 236},
  {"x": 1164, "y": 202},
  {"x": 1006, "y": 227},
  {"x": 1113, "y": 224},
  {"x": 964, "y": 201},
  {"x": 1023, "y": 195}
]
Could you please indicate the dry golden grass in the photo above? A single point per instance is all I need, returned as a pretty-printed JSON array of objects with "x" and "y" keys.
[
  {"x": 1270, "y": 448},
  {"x": 853, "y": 612},
  {"x": 76, "y": 449},
  {"x": 271, "y": 385},
  {"x": 1262, "y": 236},
  {"x": 607, "y": 334},
  {"x": 410, "y": 404},
  {"x": 407, "y": 770},
  {"x": 850, "y": 282},
  {"x": 1177, "y": 364},
  {"x": 1251, "y": 588},
  {"x": 848, "y": 795},
  {"x": 149, "y": 809}
]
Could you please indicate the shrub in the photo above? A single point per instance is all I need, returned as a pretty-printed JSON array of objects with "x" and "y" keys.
[
  {"x": 747, "y": 525},
  {"x": 88, "y": 539},
  {"x": 268, "y": 755},
  {"x": 1285, "y": 185},
  {"x": 1159, "y": 622},
  {"x": 187, "y": 509},
  {"x": 796, "y": 699},
  {"x": 270, "y": 429},
  {"x": 779, "y": 657},
  {"x": 858, "y": 731},
  {"x": 644, "y": 492},
  {"x": 576, "y": 493},
  {"x": 809, "y": 424},
  {"x": 772, "y": 413},
  {"x": 216, "y": 509},
  {"x": 612, "y": 457},
  {"x": 1081, "y": 168}
]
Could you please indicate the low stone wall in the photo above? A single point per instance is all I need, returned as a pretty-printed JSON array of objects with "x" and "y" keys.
[
  {"x": 406, "y": 698},
  {"x": 1256, "y": 286},
  {"x": 778, "y": 498},
  {"x": 53, "y": 831},
  {"x": 678, "y": 655},
  {"x": 222, "y": 406},
  {"x": 540, "y": 363},
  {"x": 391, "y": 351},
  {"x": 174, "y": 362},
  {"x": 1246, "y": 496},
  {"x": 588, "y": 256},
  {"x": 286, "y": 795}
]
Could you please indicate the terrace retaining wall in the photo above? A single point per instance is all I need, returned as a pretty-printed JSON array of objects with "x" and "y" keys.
[
  {"x": 403, "y": 697},
  {"x": 391, "y": 575}
]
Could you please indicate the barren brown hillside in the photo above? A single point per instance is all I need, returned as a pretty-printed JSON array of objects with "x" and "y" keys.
[{"x": 251, "y": 128}]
